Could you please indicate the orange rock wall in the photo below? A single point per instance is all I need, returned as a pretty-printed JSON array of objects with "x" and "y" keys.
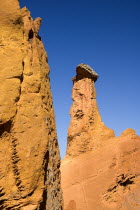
[
  {"x": 29, "y": 153},
  {"x": 104, "y": 178}
]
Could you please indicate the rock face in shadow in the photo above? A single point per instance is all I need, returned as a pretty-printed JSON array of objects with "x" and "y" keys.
[
  {"x": 100, "y": 171},
  {"x": 29, "y": 153}
]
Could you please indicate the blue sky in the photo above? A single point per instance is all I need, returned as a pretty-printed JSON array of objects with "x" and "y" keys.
[{"x": 104, "y": 35}]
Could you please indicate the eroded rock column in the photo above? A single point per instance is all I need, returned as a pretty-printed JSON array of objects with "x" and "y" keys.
[
  {"x": 86, "y": 126},
  {"x": 98, "y": 172}
]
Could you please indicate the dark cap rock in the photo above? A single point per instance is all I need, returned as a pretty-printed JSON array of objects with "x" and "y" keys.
[{"x": 84, "y": 70}]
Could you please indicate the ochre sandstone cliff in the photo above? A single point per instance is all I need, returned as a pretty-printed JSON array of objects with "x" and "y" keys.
[
  {"x": 100, "y": 171},
  {"x": 29, "y": 154}
]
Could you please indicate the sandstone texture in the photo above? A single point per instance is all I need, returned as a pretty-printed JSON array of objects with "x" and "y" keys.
[
  {"x": 100, "y": 171},
  {"x": 29, "y": 154},
  {"x": 86, "y": 130}
]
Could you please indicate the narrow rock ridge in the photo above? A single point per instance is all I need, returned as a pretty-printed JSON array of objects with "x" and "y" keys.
[
  {"x": 29, "y": 153},
  {"x": 86, "y": 130}
]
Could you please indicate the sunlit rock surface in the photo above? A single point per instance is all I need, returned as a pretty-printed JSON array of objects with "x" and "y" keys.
[
  {"x": 29, "y": 154},
  {"x": 100, "y": 171},
  {"x": 86, "y": 130}
]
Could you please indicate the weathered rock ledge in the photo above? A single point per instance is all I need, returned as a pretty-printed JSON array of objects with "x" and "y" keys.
[{"x": 85, "y": 71}]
